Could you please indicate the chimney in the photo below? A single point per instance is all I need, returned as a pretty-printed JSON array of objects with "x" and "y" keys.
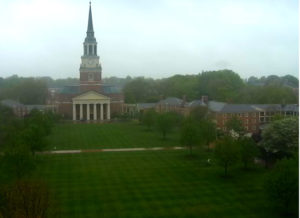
[{"x": 204, "y": 98}]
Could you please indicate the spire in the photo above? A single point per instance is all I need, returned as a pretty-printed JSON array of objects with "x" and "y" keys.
[
  {"x": 90, "y": 30},
  {"x": 90, "y": 24}
]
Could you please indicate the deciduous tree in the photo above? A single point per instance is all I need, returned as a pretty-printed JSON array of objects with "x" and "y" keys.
[{"x": 226, "y": 152}]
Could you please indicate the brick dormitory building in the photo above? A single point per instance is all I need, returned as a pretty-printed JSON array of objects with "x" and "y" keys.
[{"x": 253, "y": 116}]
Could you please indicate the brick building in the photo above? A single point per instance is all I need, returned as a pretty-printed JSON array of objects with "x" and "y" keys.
[{"x": 253, "y": 116}]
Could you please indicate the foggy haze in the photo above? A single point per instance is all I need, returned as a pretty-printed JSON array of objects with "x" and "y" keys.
[{"x": 150, "y": 38}]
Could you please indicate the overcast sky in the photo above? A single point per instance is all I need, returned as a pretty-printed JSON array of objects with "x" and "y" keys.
[{"x": 157, "y": 38}]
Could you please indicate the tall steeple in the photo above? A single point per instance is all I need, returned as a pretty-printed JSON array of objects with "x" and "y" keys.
[
  {"x": 90, "y": 67},
  {"x": 90, "y": 30}
]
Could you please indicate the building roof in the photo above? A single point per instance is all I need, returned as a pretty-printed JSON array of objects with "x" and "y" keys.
[
  {"x": 241, "y": 108},
  {"x": 11, "y": 103},
  {"x": 216, "y": 106},
  {"x": 141, "y": 106},
  {"x": 104, "y": 88},
  {"x": 171, "y": 101},
  {"x": 196, "y": 103}
]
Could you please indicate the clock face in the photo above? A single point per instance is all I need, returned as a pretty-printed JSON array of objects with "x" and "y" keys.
[{"x": 90, "y": 62}]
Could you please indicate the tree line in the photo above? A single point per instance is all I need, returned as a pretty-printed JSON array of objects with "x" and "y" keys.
[{"x": 221, "y": 85}]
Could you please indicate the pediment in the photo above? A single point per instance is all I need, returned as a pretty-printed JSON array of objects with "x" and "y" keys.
[{"x": 91, "y": 95}]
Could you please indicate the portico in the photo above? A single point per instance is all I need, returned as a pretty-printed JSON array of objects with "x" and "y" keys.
[{"x": 91, "y": 106}]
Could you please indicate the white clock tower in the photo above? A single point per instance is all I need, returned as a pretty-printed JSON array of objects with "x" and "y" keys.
[{"x": 90, "y": 67}]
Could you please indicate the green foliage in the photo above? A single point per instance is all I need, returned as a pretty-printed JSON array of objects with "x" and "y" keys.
[
  {"x": 16, "y": 162},
  {"x": 282, "y": 187},
  {"x": 6, "y": 120},
  {"x": 226, "y": 152},
  {"x": 140, "y": 90},
  {"x": 179, "y": 86},
  {"x": 200, "y": 113},
  {"x": 149, "y": 118},
  {"x": 248, "y": 150},
  {"x": 190, "y": 134},
  {"x": 208, "y": 131},
  {"x": 25, "y": 90},
  {"x": 281, "y": 137},
  {"x": 222, "y": 85},
  {"x": 236, "y": 125},
  {"x": 288, "y": 80},
  {"x": 166, "y": 122},
  {"x": 271, "y": 94}
]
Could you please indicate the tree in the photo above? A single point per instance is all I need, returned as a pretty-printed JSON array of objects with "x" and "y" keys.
[
  {"x": 200, "y": 113},
  {"x": 16, "y": 162},
  {"x": 148, "y": 118},
  {"x": 208, "y": 132},
  {"x": 189, "y": 134},
  {"x": 280, "y": 138},
  {"x": 34, "y": 137},
  {"x": 235, "y": 125},
  {"x": 282, "y": 186},
  {"x": 248, "y": 150},
  {"x": 165, "y": 123},
  {"x": 222, "y": 85},
  {"x": 28, "y": 199},
  {"x": 226, "y": 152}
]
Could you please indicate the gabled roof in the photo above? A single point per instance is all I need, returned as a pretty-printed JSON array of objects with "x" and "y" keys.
[
  {"x": 141, "y": 106},
  {"x": 196, "y": 103},
  {"x": 171, "y": 101},
  {"x": 216, "y": 106},
  {"x": 90, "y": 95}
]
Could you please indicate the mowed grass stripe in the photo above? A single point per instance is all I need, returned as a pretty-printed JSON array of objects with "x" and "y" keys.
[
  {"x": 113, "y": 135},
  {"x": 151, "y": 184}
]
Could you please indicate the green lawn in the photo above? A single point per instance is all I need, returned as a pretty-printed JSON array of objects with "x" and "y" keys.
[
  {"x": 151, "y": 184},
  {"x": 112, "y": 135},
  {"x": 144, "y": 183}
]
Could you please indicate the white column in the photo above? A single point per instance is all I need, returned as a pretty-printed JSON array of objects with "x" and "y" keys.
[
  {"x": 74, "y": 111},
  {"x": 88, "y": 112},
  {"x": 81, "y": 112},
  {"x": 101, "y": 111},
  {"x": 108, "y": 111},
  {"x": 95, "y": 111}
]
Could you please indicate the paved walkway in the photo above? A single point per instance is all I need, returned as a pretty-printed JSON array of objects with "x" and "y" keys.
[{"x": 111, "y": 150}]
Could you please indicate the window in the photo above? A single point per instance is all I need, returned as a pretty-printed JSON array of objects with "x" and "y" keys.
[
  {"x": 261, "y": 119},
  {"x": 262, "y": 113},
  {"x": 90, "y": 49},
  {"x": 95, "y": 50},
  {"x": 85, "y": 49}
]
